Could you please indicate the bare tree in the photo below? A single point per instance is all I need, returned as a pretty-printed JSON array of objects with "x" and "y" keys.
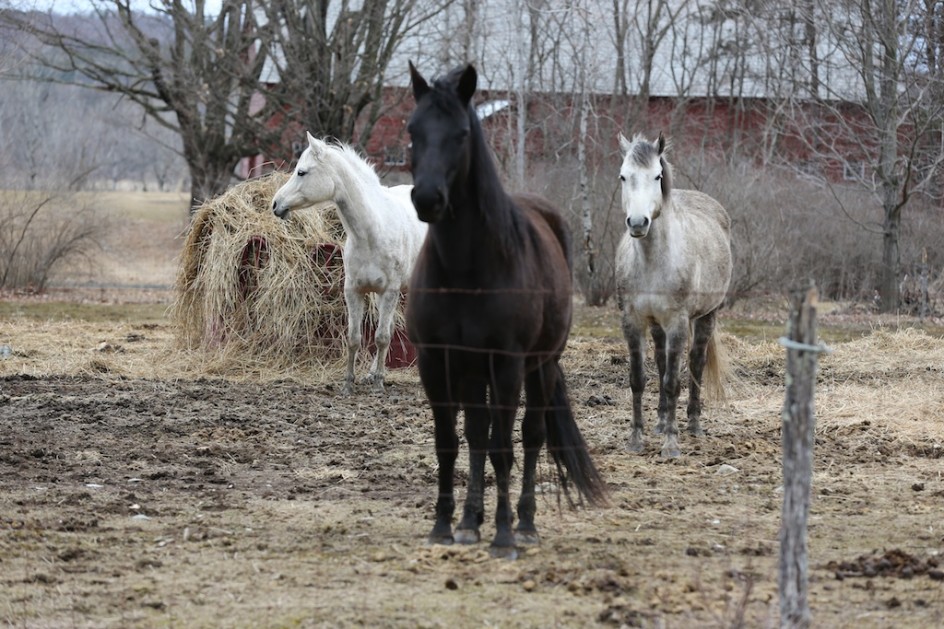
[
  {"x": 201, "y": 69},
  {"x": 331, "y": 59},
  {"x": 880, "y": 127}
]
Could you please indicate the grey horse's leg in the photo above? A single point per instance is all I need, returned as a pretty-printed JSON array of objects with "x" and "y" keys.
[
  {"x": 676, "y": 340},
  {"x": 697, "y": 357},
  {"x": 477, "y": 421},
  {"x": 633, "y": 332},
  {"x": 658, "y": 341},
  {"x": 386, "y": 309},
  {"x": 356, "y": 305}
]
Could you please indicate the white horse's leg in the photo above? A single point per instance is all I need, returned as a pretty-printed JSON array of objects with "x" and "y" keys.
[
  {"x": 634, "y": 333},
  {"x": 356, "y": 303},
  {"x": 386, "y": 309},
  {"x": 676, "y": 338}
]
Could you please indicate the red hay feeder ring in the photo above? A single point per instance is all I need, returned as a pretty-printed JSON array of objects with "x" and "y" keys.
[{"x": 255, "y": 256}]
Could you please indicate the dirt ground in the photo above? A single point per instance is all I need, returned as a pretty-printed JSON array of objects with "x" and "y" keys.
[
  {"x": 129, "y": 501},
  {"x": 136, "y": 492}
]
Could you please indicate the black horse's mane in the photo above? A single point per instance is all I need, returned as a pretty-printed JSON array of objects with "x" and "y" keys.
[{"x": 498, "y": 209}]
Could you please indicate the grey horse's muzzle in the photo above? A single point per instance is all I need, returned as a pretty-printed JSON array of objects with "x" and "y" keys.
[{"x": 638, "y": 226}]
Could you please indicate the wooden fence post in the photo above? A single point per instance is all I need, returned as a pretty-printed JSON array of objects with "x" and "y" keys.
[{"x": 798, "y": 435}]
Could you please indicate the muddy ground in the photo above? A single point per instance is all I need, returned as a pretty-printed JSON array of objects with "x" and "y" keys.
[{"x": 178, "y": 501}]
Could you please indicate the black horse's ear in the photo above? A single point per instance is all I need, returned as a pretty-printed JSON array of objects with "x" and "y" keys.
[
  {"x": 467, "y": 81},
  {"x": 420, "y": 86},
  {"x": 661, "y": 143}
]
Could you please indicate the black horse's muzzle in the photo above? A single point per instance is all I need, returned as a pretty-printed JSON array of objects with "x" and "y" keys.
[{"x": 430, "y": 202}]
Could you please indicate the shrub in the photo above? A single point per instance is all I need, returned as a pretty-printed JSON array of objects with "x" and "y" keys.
[{"x": 40, "y": 233}]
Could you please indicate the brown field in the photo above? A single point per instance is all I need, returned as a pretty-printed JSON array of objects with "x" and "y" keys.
[{"x": 137, "y": 490}]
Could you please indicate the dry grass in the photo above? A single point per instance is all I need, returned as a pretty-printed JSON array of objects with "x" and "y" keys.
[{"x": 253, "y": 294}]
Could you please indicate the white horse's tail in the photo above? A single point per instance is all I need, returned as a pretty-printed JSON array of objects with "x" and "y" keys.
[{"x": 718, "y": 369}]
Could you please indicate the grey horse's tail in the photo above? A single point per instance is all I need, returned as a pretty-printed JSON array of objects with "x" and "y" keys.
[
  {"x": 719, "y": 371},
  {"x": 569, "y": 450}
]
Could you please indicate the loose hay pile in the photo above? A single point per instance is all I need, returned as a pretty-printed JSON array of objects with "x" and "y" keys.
[{"x": 258, "y": 292}]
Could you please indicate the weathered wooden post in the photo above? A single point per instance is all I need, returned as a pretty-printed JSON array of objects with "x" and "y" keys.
[{"x": 798, "y": 434}]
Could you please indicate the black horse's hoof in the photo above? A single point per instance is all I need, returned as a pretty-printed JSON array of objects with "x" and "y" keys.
[
  {"x": 503, "y": 552},
  {"x": 441, "y": 534},
  {"x": 467, "y": 536}
]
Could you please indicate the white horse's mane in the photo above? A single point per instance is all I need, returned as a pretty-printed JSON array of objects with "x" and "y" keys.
[{"x": 350, "y": 154}]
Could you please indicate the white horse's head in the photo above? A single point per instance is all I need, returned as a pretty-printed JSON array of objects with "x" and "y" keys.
[
  {"x": 645, "y": 179},
  {"x": 309, "y": 184}
]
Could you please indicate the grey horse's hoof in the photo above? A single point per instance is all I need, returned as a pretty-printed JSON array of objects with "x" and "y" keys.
[{"x": 527, "y": 538}]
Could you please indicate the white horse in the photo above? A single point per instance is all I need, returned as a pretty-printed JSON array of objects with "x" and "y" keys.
[
  {"x": 384, "y": 237},
  {"x": 673, "y": 267}
]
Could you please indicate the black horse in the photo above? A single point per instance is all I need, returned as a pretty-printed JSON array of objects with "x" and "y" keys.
[{"x": 489, "y": 308}]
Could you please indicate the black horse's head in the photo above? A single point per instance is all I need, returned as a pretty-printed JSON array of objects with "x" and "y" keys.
[{"x": 441, "y": 132}]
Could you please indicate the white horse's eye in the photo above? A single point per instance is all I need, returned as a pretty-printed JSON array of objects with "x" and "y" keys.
[
  {"x": 622, "y": 178},
  {"x": 659, "y": 177},
  {"x": 301, "y": 173}
]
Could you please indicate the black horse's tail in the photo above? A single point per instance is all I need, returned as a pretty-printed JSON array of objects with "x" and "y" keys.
[{"x": 569, "y": 450}]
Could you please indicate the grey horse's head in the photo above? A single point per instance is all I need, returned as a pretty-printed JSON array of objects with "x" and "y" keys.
[{"x": 645, "y": 178}]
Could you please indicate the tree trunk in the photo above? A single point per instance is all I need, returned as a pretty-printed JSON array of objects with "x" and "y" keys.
[
  {"x": 798, "y": 436},
  {"x": 593, "y": 294},
  {"x": 890, "y": 181},
  {"x": 208, "y": 181},
  {"x": 891, "y": 263}
]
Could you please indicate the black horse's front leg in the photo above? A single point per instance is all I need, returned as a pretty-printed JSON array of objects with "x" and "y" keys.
[
  {"x": 445, "y": 411},
  {"x": 477, "y": 422},
  {"x": 505, "y": 389}
]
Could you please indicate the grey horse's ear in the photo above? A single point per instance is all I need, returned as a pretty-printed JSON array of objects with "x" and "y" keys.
[
  {"x": 660, "y": 144},
  {"x": 420, "y": 86},
  {"x": 624, "y": 144},
  {"x": 466, "y": 86}
]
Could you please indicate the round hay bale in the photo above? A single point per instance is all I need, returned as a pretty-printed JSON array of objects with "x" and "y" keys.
[{"x": 255, "y": 291}]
